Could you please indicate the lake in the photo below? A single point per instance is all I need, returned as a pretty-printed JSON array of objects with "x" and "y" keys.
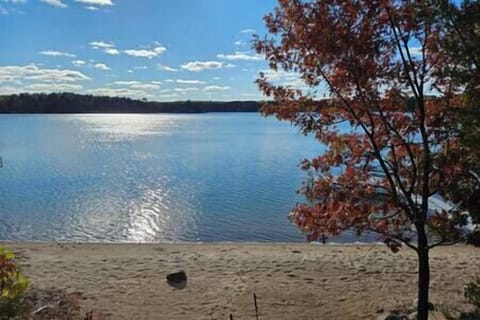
[{"x": 150, "y": 178}]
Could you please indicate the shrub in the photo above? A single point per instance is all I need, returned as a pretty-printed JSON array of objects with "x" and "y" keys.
[
  {"x": 13, "y": 285},
  {"x": 472, "y": 292}
]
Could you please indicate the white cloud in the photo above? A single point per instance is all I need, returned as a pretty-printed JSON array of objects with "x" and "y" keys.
[
  {"x": 183, "y": 90},
  {"x": 52, "y": 87},
  {"x": 202, "y": 65},
  {"x": 169, "y": 80},
  {"x": 146, "y": 53},
  {"x": 33, "y": 72},
  {"x": 97, "y": 2},
  {"x": 10, "y": 90},
  {"x": 284, "y": 78},
  {"x": 240, "y": 43},
  {"x": 166, "y": 68},
  {"x": 240, "y": 55},
  {"x": 107, "y": 47},
  {"x": 168, "y": 96},
  {"x": 216, "y": 88},
  {"x": 126, "y": 83},
  {"x": 145, "y": 86},
  {"x": 101, "y": 66},
  {"x": 118, "y": 92},
  {"x": 248, "y": 31},
  {"x": 101, "y": 44},
  {"x": 78, "y": 63},
  {"x": 190, "y": 81},
  {"x": 137, "y": 85},
  {"x": 57, "y": 54},
  {"x": 111, "y": 51},
  {"x": 55, "y": 3},
  {"x": 91, "y": 8}
]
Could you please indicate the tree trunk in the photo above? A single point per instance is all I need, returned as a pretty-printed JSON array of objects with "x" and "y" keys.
[{"x": 423, "y": 275}]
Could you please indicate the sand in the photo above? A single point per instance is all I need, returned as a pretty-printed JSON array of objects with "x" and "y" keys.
[{"x": 291, "y": 281}]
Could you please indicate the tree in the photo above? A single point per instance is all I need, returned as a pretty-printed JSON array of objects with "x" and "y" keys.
[
  {"x": 462, "y": 43},
  {"x": 390, "y": 126}
]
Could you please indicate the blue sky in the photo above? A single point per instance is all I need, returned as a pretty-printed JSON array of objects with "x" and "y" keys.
[{"x": 162, "y": 50}]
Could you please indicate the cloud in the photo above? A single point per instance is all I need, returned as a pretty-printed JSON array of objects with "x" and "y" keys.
[
  {"x": 10, "y": 90},
  {"x": 216, "y": 88},
  {"x": 145, "y": 53},
  {"x": 202, "y": 65},
  {"x": 190, "y": 81},
  {"x": 137, "y": 85},
  {"x": 78, "y": 63},
  {"x": 168, "y": 96},
  {"x": 55, "y": 3},
  {"x": 57, "y": 54},
  {"x": 240, "y": 43},
  {"x": 184, "y": 90},
  {"x": 145, "y": 86},
  {"x": 111, "y": 51},
  {"x": 91, "y": 8},
  {"x": 284, "y": 78},
  {"x": 239, "y": 55},
  {"x": 33, "y": 72},
  {"x": 52, "y": 87},
  {"x": 126, "y": 83},
  {"x": 107, "y": 47},
  {"x": 118, "y": 92},
  {"x": 97, "y": 2},
  {"x": 248, "y": 31},
  {"x": 101, "y": 66},
  {"x": 101, "y": 45},
  {"x": 166, "y": 68},
  {"x": 169, "y": 80}
]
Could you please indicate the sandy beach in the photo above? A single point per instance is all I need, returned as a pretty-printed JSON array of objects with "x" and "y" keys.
[{"x": 291, "y": 281}]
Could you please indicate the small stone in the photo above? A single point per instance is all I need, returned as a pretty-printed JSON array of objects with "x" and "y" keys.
[{"x": 177, "y": 280}]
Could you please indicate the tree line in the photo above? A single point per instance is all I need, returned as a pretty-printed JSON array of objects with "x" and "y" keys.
[{"x": 77, "y": 103}]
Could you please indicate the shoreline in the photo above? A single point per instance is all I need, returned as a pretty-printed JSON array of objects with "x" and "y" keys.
[{"x": 290, "y": 280}]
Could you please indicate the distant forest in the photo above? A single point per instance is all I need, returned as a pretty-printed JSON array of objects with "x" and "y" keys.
[{"x": 76, "y": 103}]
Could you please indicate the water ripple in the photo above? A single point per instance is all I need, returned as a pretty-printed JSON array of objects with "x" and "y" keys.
[{"x": 150, "y": 178}]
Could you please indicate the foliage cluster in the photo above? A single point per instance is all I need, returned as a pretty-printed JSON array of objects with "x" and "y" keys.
[{"x": 13, "y": 284}]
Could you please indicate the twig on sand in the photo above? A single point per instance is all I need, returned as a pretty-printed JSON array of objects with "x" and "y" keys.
[
  {"x": 256, "y": 306},
  {"x": 38, "y": 310}
]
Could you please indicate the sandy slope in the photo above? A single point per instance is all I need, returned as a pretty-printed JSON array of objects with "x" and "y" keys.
[{"x": 291, "y": 281}]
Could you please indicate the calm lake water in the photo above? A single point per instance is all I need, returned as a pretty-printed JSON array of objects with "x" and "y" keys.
[{"x": 150, "y": 178}]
